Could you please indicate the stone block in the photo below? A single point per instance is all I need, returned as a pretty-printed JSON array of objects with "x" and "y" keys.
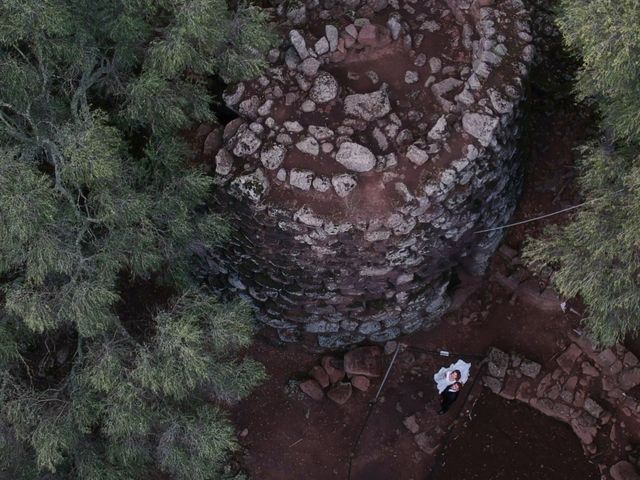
[
  {"x": 498, "y": 362},
  {"x": 568, "y": 358},
  {"x": 365, "y": 361},
  {"x": 340, "y": 392},
  {"x": 320, "y": 375},
  {"x": 623, "y": 470},
  {"x": 313, "y": 389}
]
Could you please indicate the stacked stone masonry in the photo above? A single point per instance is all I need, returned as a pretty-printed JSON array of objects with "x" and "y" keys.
[
  {"x": 591, "y": 390},
  {"x": 381, "y": 137}
]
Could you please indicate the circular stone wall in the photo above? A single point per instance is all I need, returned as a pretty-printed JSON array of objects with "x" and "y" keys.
[{"x": 364, "y": 159}]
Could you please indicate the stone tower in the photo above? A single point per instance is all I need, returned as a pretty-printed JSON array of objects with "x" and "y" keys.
[{"x": 364, "y": 159}]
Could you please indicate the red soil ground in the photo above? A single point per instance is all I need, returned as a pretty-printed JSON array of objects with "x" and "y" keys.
[
  {"x": 496, "y": 429},
  {"x": 297, "y": 438}
]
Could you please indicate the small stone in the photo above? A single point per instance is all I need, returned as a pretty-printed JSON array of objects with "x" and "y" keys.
[
  {"x": 355, "y": 157},
  {"x": 309, "y": 145},
  {"x": 325, "y": 88},
  {"x": 333, "y": 367},
  {"x": 249, "y": 108},
  {"x": 411, "y": 424},
  {"x": 327, "y": 147},
  {"x": 253, "y": 186},
  {"x": 246, "y": 142},
  {"x": 480, "y": 126},
  {"x": 498, "y": 362},
  {"x": 373, "y": 76},
  {"x": 390, "y": 347},
  {"x": 343, "y": 184},
  {"x": 232, "y": 98},
  {"x": 322, "y": 46},
  {"x": 367, "y": 106},
  {"x": 592, "y": 407},
  {"x": 265, "y": 108},
  {"x": 297, "y": 40},
  {"x": 411, "y": 77},
  {"x": 319, "y": 374},
  {"x": 281, "y": 175},
  {"x": 529, "y": 368},
  {"x": 360, "y": 382},
  {"x": 224, "y": 162},
  {"x": 321, "y": 184},
  {"x": 368, "y": 35},
  {"x": 313, "y": 389},
  {"x": 274, "y": 55},
  {"x": 567, "y": 359},
  {"x": 309, "y": 67},
  {"x": 331, "y": 33},
  {"x": 308, "y": 106},
  {"x": 417, "y": 155},
  {"x": 320, "y": 133},
  {"x": 340, "y": 392},
  {"x": 294, "y": 127},
  {"x": 420, "y": 60},
  {"x": 435, "y": 64},
  {"x": 300, "y": 178},
  {"x": 438, "y": 130},
  {"x": 213, "y": 142},
  {"x": 284, "y": 139},
  {"x": 394, "y": 27},
  {"x": 623, "y": 470},
  {"x": 272, "y": 156},
  {"x": 306, "y": 216},
  {"x": 231, "y": 128}
]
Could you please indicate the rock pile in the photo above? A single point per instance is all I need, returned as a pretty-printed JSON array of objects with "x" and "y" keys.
[
  {"x": 363, "y": 160},
  {"x": 588, "y": 389},
  {"x": 359, "y": 366}
]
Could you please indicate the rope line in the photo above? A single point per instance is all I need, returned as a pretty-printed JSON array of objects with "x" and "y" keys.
[
  {"x": 547, "y": 215},
  {"x": 370, "y": 409}
]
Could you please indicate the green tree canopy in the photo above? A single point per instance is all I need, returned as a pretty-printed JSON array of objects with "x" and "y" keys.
[
  {"x": 598, "y": 254},
  {"x": 96, "y": 189}
]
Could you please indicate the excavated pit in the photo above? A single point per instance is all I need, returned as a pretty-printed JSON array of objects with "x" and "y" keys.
[{"x": 364, "y": 160}]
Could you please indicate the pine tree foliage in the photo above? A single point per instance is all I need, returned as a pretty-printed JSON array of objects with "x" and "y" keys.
[
  {"x": 597, "y": 254},
  {"x": 606, "y": 35},
  {"x": 96, "y": 185}
]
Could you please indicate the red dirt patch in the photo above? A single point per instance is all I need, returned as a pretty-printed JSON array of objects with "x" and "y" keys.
[{"x": 485, "y": 448}]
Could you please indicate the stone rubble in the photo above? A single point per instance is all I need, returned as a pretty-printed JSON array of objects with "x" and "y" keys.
[{"x": 360, "y": 366}]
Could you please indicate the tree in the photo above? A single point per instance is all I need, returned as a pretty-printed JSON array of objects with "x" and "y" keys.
[
  {"x": 97, "y": 190},
  {"x": 597, "y": 255}
]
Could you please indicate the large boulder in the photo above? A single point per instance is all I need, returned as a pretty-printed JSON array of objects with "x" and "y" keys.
[
  {"x": 355, "y": 157},
  {"x": 367, "y": 106},
  {"x": 313, "y": 389},
  {"x": 365, "y": 361},
  {"x": 623, "y": 470},
  {"x": 333, "y": 367}
]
